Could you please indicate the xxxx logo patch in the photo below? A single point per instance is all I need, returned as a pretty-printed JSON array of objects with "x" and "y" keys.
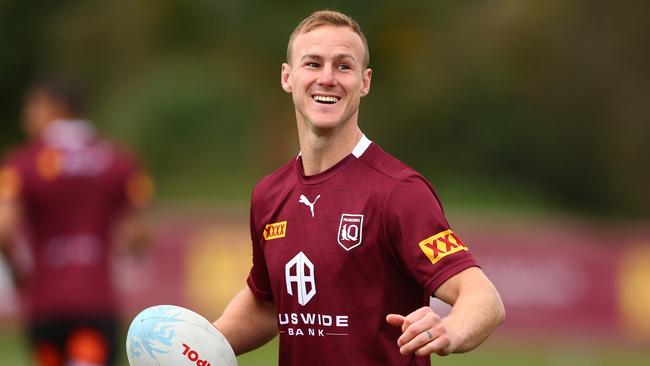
[
  {"x": 441, "y": 245},
  {"x": 49, "y": 164},
  {"x": 275, "y": 231}
]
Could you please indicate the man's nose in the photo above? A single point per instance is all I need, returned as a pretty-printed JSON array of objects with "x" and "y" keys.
[{"x": 327, "y": 76}]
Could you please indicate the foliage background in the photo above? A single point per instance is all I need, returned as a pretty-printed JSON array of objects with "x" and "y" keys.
[
  {"x": 509, "y": 107},
  {"x": 511, "y": 104}
]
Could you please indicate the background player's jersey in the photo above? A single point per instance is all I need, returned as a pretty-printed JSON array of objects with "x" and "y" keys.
[
  {"x": 340, "y": 250},
  {"x": 72, "y": 187}
]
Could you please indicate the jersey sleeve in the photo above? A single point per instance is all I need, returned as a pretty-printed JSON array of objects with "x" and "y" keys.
[
  {"x": 258, "y": 279},
  {"x": 11, "y": 182},
  {"x": 139, "y": 188},
  {"x": 14, "y": 176},
  {"x": 136, "y": 187},
  {"x": 420, "y": 237}
]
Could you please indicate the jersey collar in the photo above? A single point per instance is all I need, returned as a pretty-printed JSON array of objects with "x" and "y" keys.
[
  {"x": 361, "y": 147},
  {"x": 356, "y": 153}
]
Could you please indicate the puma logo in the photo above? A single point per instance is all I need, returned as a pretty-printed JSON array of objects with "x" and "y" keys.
[{"x": 311, "y": 205}]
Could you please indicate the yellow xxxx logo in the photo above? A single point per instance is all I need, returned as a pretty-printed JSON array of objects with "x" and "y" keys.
[
  {"x": 441, "y": 245},
  {"x": 275, "y": 231}
]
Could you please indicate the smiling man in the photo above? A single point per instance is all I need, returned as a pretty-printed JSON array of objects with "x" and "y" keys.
[{"x": 349, "y": 243}]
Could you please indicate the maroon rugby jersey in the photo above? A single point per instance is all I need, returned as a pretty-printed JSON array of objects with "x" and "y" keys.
[
  {"x": 72, "y": 187},
  {"x": 340, "y": 250}
]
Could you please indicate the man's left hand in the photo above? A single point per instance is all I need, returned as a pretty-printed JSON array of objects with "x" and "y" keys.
[{"x": 423, "y": 333}]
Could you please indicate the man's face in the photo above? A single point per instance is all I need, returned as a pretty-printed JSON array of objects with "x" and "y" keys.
[
  {"x": 326, "y": 76},
  {"x": 39, "y": 109}
]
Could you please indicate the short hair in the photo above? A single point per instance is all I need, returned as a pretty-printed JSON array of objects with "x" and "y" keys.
[{"x": 328, "y": 17}]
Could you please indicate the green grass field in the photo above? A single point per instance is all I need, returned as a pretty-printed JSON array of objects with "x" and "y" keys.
[{"x": 13, "y": 352}]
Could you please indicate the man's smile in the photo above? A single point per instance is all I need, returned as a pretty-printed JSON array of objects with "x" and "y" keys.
[{"x": 325, "y": 99}]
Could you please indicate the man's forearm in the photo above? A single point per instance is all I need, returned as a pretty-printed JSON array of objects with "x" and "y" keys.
[
  {"x": 477, "y": 311},
  {"x": 247, "y": 322}
]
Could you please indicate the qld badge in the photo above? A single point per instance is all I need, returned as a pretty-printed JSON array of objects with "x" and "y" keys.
[{"x": 350, "y": 231}]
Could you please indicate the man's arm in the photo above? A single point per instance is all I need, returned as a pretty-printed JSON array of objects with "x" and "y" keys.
[
  {"x": 9, "y": 216},
  {"x": 477, "y": 310},
  {"x": 132, "y": 236},
  {"x": 248, "y": 323}
]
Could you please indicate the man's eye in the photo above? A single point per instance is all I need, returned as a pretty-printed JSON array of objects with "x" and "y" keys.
[
  {"x": 311, "y": 64},
  {"x": 344, "y": 67}
]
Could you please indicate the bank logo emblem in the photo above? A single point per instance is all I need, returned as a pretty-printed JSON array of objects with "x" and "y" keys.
[
  {"x": 350, "y": 231},
  {"x": 300, "y": 271}
]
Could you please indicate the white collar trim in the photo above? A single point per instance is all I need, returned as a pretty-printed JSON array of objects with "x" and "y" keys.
[
  {"x": 358, "y": 150},
  {"x": 361, "y": 147}
]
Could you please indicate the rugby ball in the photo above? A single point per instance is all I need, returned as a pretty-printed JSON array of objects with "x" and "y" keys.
[{"x": 168, "y": 335}]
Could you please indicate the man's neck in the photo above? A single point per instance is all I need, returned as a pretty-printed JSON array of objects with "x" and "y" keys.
[{"x": 321, "y": 151}]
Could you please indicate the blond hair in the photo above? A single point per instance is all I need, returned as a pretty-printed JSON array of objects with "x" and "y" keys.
[{"x": 328, "y": 17}]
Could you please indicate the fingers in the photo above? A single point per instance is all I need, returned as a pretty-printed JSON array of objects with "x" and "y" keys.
[
  {"x": 439, "y": 345},
  {"x": 416, "y": 316},
  {"x": 423, "y": 332},
  {"x": 395, "y": 320},
  {"x": 428, "y": 342},
  {"x": 416, "y": 323}
]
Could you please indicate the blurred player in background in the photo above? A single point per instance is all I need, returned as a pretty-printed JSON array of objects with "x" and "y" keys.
[
  {"x": 348, "y": 242},
  {"x": 72, "y": 199}
]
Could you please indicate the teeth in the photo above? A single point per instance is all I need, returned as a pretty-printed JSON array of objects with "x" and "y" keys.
[{"x": 325, "y": 99}]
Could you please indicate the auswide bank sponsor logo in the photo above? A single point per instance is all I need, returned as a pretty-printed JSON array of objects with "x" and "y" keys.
[
  {"x": 300, "y": 271},
  {"x": 301, "y": 282},
  {"x": 314, "y": 325}
]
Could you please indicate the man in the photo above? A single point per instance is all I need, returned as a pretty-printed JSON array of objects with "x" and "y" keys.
[
  {"x": 348, "y": 242},
  {"x": 68, "y": 194}
]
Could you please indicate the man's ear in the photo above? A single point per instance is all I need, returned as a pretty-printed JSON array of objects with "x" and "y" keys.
[
  {"x": 285, "y": 77},
  {"x": 365, "y": 85}
]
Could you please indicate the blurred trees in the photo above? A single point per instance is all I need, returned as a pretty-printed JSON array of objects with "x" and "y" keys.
[{"x": 505, "y": 98}]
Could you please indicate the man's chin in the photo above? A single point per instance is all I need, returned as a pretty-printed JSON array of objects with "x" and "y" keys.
[
  {"x": 326, "y": 126},
  {"x": 324, "y": 121}
]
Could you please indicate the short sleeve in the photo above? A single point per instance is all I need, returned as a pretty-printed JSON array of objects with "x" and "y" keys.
[
  {"x": 258, "y": 279},
  {"x": 420, "y": 236},
  {"x": 139, "y": 188},
  {"x": 11, "y": 182},
  {"x": 136, "y": 187}
]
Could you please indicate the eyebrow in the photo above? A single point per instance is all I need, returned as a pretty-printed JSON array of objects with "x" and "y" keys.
[{"x": 337, "y": 57}]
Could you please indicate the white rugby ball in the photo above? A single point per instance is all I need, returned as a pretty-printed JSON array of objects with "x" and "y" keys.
[{"x": 168, "y": 335}]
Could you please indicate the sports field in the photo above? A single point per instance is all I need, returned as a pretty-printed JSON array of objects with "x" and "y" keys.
[
  {"x": 495, "y": 352},
  {"x": 508, "y": 354}
]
